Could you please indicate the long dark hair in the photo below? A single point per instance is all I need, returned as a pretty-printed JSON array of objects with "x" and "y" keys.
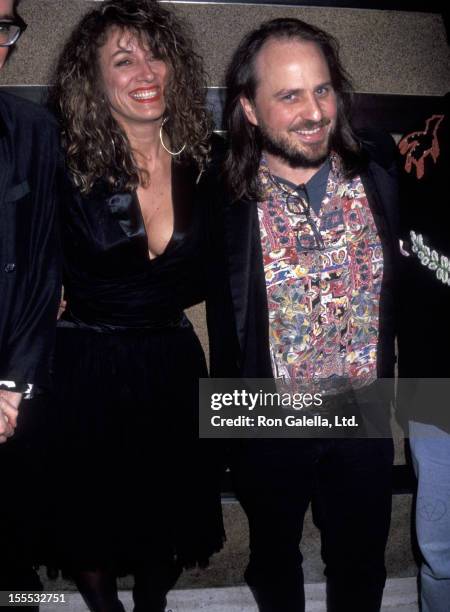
[
  {"x": 241, "y": 167},
  {"x": 96, "y": 146}
]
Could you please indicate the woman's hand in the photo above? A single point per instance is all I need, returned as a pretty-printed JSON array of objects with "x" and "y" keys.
[{"x": 9, "y": 411}]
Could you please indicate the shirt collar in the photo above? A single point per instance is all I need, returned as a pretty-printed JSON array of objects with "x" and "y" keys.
[{"x": 269, "y": 182}]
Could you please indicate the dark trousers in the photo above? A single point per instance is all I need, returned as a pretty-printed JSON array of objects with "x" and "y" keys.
[
  {"x": 26, "y": 492},
  {"x": 349, "y": 483}
]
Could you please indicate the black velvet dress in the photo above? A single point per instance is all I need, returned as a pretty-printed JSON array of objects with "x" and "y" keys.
[{"x": 135, "y": 484}]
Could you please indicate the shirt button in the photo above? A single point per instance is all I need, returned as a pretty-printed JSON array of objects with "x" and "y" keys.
[{"x": 10, "y": 267}]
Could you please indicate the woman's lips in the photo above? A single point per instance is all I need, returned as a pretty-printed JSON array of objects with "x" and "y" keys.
[{"x": 144, "y": 95}]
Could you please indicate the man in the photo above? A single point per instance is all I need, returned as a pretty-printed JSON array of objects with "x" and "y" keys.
[
  {"x": 307, "y": 254},
  {"x": 424, "y": 338},
  {"x": 29, "y": 287}
]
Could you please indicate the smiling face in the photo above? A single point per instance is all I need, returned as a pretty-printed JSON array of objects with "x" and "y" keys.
[
  {"x": 134, "y": 79},
  {"x": 6, "y": 12},
  {"x": 295, "y": 104}
]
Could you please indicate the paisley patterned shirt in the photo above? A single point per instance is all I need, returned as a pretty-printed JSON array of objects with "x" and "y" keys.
[{"x": 323, "y": 278}]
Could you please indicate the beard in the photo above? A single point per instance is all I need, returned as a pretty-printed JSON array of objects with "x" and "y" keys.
[{"x": 296, "y": 155}]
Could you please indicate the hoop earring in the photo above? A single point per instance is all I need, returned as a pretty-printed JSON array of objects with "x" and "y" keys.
[{"x": 173, "y": 153}]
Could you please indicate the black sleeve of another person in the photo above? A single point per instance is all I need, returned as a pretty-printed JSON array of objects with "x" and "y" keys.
[{"x": 30, "y": 279}]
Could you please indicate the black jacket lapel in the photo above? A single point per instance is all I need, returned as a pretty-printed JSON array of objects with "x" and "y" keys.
[
  {"x": 239, "y": 222},
  {"x": 382, "y": 197},
  {"x": 248, "y": 288},
  {"x": 5, "y": 165}
]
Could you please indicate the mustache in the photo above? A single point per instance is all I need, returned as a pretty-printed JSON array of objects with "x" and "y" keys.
[{"x": 310, "y": 125}]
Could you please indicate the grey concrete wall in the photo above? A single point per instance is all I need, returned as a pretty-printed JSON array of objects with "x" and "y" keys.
[{"x": 385, "y": 51}]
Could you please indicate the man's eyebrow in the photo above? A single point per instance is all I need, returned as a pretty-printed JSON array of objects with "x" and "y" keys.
[
  {"x": 298, "y": 90},
  {"x": 285, "y": 91},
  {"x": 7, "y": 17},
  {"x": 325, "y": 84}
]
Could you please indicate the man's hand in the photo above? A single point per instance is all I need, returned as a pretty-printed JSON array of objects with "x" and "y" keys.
[
  {"x": 62, "y": 305},
  {"x": 9, "y": 411},
  {"x": 61, "y": 308}
]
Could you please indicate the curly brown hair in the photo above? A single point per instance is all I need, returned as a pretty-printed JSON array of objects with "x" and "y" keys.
[{"x": 96, "y": 146}]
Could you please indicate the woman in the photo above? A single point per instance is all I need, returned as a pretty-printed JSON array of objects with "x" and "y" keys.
[{"x": 143, "y": 497}]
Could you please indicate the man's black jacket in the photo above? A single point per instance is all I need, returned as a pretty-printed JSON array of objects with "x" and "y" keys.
[
  {"x": 237, "y": 309},
  {"x": 29, "y": 267}
]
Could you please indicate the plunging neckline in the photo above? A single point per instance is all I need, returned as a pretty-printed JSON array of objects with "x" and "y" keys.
[
  {"x": 126, "y": 209},
  {"x": 169, "y": 242},
  {"x": 182, "y": 187},
  {"x": 142, "y": 219}
]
